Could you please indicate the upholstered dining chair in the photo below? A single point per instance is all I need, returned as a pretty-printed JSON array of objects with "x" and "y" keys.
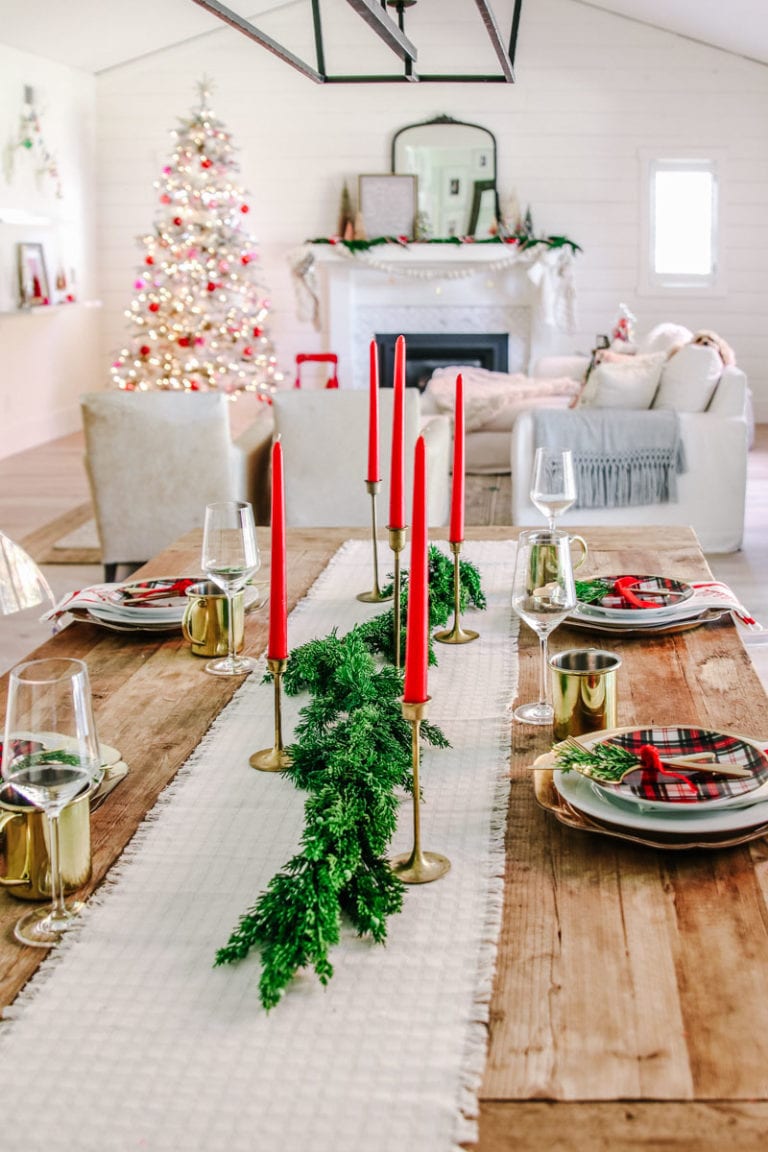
[
  {"x": 155, "y": 459},
  {"x": 325, "y": 445}
]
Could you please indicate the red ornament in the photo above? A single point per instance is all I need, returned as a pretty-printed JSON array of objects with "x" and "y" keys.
[
  {"x": 177, "y": 221},
  {"x": 244, "y": 208},
  {"x": 211, "y": 286},
  {"x": 145, "y": 350},
  {"x": 154, "y": 306},
  {"x": 184, "y": 341},
  {"x": 248, "y": 351},
  {"x": 206, "y": 163},
  {"x": 245, "y": 259},
  {"x": 165, "y": 198},
  {"x": 194, "y": 386},
  {"x": 149, "y": 260},
  {"x": 257, "y": 332}
]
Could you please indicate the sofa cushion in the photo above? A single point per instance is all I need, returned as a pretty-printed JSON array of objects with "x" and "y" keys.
[
  {"x": 689, "y": 379},
  {"x": 630, "y": 383},
  {"x": 665, "y": 337}
]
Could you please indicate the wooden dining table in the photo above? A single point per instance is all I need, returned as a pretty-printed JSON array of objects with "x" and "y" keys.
[{"x": 630, "y": 1005}]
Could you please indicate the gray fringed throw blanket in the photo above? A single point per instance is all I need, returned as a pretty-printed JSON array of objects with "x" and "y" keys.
[{"x": 620, "y": 456}]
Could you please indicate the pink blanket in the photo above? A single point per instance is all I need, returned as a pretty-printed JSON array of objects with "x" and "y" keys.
[{"x": 494, "y": 399}]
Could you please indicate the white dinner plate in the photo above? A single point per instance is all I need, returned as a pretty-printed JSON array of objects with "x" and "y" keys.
[
  {"x": 577, "y": 790},
  {"x": 137, "y": 616}
]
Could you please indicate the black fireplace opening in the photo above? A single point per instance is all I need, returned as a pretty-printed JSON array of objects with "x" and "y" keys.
[{"x": 425, "y": 352}]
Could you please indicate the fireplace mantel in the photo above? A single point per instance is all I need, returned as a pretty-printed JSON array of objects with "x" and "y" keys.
[{"x": 437, "y": 288}]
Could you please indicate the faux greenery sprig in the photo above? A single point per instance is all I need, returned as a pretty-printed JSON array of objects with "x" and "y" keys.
[
  {"x": 352, "y": 751},
  {"x": 607, "y": 762},
  {"x": 592, "y": 591}
]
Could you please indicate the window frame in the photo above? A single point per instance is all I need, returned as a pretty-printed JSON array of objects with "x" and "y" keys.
[{"x": 653, "y": 283}]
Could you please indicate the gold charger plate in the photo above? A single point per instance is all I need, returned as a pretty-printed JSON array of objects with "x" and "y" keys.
[
  {"x": 550, "y": 799},
  {"x": 624, "y": 630}
]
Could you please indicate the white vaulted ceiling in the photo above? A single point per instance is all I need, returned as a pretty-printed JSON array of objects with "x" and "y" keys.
[{"x": 95, "y": 35}]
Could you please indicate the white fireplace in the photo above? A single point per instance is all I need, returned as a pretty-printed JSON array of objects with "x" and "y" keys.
[{"x": 436, "y": 288}]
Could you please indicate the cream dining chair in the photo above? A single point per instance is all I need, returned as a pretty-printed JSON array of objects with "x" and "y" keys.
[
  {"x": 325, "y": 445},
  {"x": 155, "y": 459}
]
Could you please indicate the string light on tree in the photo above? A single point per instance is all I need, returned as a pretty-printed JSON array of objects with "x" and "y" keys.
[{"x": 199, "y": 315}]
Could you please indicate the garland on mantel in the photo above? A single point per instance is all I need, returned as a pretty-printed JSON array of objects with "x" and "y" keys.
[
  {"x": 520, "y": 240},
  {"x": 351, "y": 752}
]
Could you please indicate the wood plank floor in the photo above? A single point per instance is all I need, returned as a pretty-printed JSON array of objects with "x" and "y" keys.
[{"x": 45, "y": 482}]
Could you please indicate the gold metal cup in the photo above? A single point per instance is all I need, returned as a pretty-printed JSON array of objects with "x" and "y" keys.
[
  {"x": 544, "y": 556},
  {"x": 206, "y": 619},
  {"x": 584, "y": 691},
  {"x": 27, "y": 847}
]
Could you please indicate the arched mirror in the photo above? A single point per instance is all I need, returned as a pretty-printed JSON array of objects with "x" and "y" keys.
[{"x": 455, "y": 166}]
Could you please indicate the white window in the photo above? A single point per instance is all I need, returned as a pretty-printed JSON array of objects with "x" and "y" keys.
[{"x": 681, "y": 224}]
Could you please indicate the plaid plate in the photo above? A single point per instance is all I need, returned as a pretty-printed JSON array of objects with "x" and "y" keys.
[
  {"x": 667, "y": 592},
  {"x": 686, "y": 785}
]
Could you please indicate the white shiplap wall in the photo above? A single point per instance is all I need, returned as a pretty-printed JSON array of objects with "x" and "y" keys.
[
  {"x": 48, "y": 356},
  {"x": 593, "y": 90}
]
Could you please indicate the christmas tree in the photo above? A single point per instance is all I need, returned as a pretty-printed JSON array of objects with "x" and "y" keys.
[{"x": 198, "y": 319}]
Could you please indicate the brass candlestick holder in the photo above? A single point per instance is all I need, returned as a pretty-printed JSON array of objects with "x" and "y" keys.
[
  {"x": 374, "y": 596},
  {"x": 456, "y": 634},
  {"x": 418, "y": 867},
  {"x": 397, "y": 543},
  {"x": 274, "y": 759}
]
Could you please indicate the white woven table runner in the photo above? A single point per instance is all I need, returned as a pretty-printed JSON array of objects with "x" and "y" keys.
[{"x": 129, "y": 1038}]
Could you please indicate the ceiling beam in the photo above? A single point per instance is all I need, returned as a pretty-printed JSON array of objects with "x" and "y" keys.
[{"x": 253, "y": 33}]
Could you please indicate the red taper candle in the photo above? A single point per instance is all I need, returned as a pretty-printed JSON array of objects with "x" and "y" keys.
[
  {"x": 278, "y": 587},
  {"x": 397, "y": 473},
  {"x": 373, "y": 417},
  {"x": 416, "y": 649},
  {"x": 457, "y": 491}
]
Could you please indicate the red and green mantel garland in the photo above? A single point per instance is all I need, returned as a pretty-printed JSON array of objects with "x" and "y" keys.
[{"x": 521, "y": 240}]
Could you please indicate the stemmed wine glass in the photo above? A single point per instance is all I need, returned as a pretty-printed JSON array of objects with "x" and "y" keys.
[
  {"x": 543, "y": 594},
  {"x": 230, "y": 557},
  {"x": 50, "y": 755},
  {"x": 553, "y": 485}
]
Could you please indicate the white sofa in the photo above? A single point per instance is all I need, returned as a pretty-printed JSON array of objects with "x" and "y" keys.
[{"x": 711, "y": 492}]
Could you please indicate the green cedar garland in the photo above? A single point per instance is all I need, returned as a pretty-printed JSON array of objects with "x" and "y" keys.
[{"x": 351, "y": 752}]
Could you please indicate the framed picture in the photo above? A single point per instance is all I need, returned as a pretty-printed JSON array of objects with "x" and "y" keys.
[
  {"x": 388, "y": 205},
  {"x": 33, "y": 277}
]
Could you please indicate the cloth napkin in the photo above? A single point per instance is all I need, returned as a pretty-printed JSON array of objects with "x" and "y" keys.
[{"x": 714, "y": 594}]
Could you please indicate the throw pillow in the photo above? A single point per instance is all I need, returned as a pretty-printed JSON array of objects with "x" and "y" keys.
[
  {"x": 631, "y": 383},
  {"x": 664, "y": 337},
  {"x": 689, "y": 379}
]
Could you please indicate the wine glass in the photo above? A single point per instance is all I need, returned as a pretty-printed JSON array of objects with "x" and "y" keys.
[
  {"x": 50, "y": 755},
  {"x": 230, "y": 557},
  {"x": 553, "y": 485},
  {"x": 543, "y": 594}
]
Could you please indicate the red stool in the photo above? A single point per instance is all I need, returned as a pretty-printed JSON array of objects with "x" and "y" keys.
[{"x": 318, "y": 358}]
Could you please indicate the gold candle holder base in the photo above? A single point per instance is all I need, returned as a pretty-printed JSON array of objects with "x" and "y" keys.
[
  {"x": 418, "y": 867},
  {"x": 274, "y": 759},
  {"x": 397, "y": 543},
  {"x": 374, "y": 596},
  {"x": 456, "y": 634}
]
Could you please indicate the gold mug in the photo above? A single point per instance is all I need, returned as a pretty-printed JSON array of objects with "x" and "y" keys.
[
  {"x": 584, "y": 696},
  {"x": 27, "y": 847},
  {"x": 544, "y": 556},
  {"x": 206, "y": 619}
]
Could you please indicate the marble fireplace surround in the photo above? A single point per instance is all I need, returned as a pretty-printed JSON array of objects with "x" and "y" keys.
[{"x": 430, "y": 288}]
